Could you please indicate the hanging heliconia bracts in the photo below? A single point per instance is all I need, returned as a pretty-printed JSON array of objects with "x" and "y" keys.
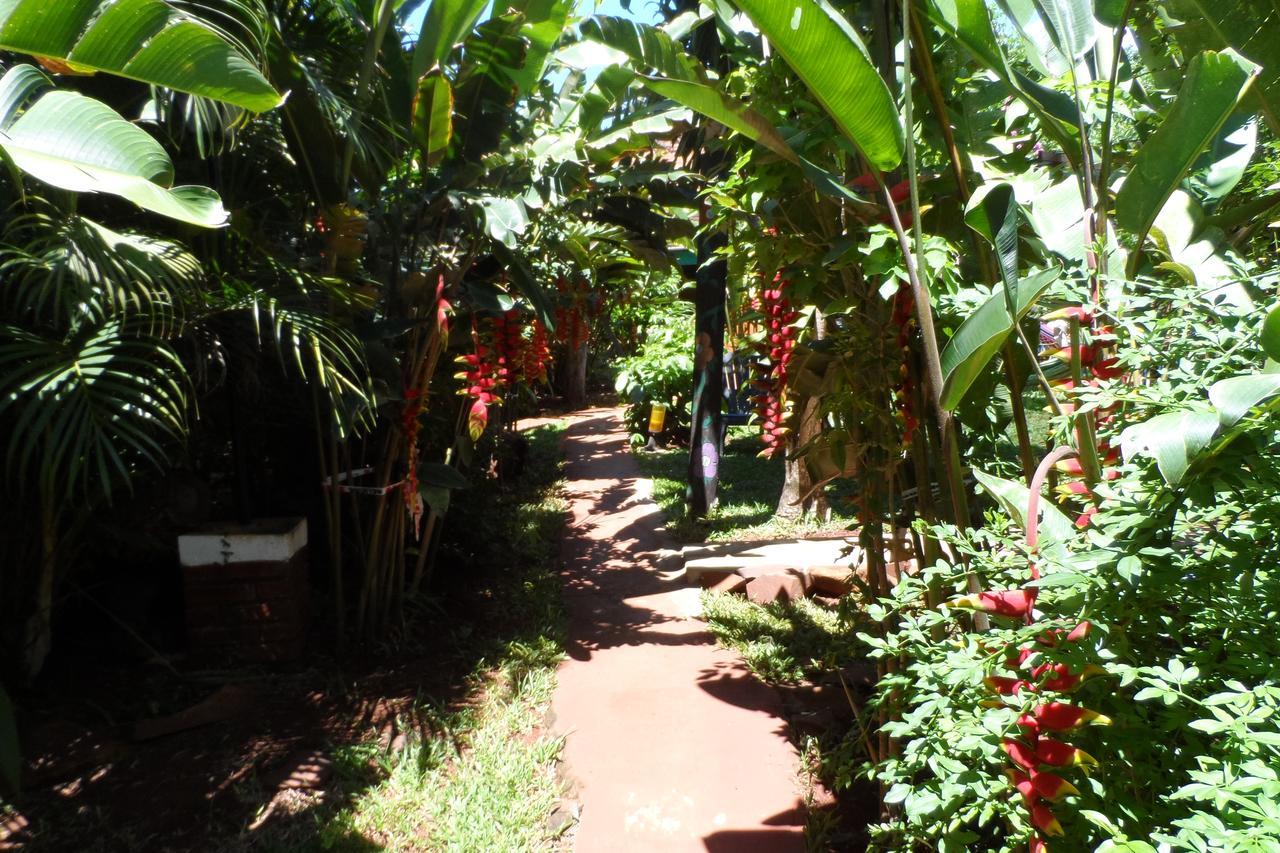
[
  {"x": 772, "y": 406},
  {"x": 508, "y": 340},
  {"x": 535, "y": 357},
  {"x": 903, "y": 319},
  {"x": 479, "y": 381},
  {"x": 1039, "y": 750},
  {"x": 1078, "y": 372},
  {"x": 572, "y": 324}
]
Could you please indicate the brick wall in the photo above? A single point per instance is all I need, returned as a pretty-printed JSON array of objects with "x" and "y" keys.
[{"x": 253, "y": 611}]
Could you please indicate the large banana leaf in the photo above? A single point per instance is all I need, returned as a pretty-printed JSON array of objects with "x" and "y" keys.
[
  {"x": 145, "y": 40},
  {"x": 433, "y": 115},
  {"x": 73, "y": 142},
  {"x": 1070, "y": 22},
  {"x": 729, "y": 111},
  {"x": 993, "y": 213},
  {"x": 827, "y": 54},
  {"x": 676, "y": 76},
  {"x": 982, "y": 334},
  {"x": 1214, "y": 85},
  {"x": 648, "y": 46},
  {"x": 544, "y": 23},
  {"x": 1248, "y": 26},
  {"x": 969, "y": 23},
  {"x": 446, "y": 24}
]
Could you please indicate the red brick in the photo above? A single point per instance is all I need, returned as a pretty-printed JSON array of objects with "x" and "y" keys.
[
  {"x": 729, "y": 583},
  {"x": 767, "y": 589}
]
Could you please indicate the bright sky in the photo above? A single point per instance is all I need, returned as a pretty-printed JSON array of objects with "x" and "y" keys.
[{"x": 641, "y": 10}]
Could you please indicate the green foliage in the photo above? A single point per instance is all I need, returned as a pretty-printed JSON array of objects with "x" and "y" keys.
[
  {"x": 827, "y": 53},
  {"x": 44, "y": 135},
  {"x": 145, "y": 40},
  {"x": 1173, "y": 577},
  {"x": 1214, "y": 85},
  {"x": 783, "y": 642},
  {"x": 661, "y": 370}
]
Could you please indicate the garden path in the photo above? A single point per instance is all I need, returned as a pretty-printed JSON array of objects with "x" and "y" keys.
[{"x": 671, "y": 744}]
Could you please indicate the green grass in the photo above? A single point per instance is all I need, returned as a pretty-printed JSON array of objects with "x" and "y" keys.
[
  {"x": 485, "y": 779},
  {"x": 783, "y": 642},
  {"x": 747, "y": 496}
]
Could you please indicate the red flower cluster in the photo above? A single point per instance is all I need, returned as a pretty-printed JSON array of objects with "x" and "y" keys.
[
  {"x": 508, "y": 340},
  {"x": 480, "y": 379},
  {"x": 572, "y": 327},
  {"x": 1035, "y": 749},
  {"x": 536, "y": 355},
  {"x": 780, "y": 340},
  {"x": 903, "y": 319}
]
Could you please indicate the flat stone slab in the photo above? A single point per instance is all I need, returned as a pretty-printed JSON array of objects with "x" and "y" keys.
[{"x": 729, "y": 557}]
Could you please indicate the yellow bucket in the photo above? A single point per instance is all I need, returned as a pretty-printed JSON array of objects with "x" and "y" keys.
[{"x": 657, "y": 417}]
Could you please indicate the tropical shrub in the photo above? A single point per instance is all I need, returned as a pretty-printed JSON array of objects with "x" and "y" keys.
[{"x": 660, "y": 372}]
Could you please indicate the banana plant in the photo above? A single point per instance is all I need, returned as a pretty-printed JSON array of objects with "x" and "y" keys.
[
  {"x": 73, "y": 142},
  {"x": 150, "y": 41}
]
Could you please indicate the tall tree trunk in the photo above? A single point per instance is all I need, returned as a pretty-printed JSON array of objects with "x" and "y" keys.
[
  {"x": 575, "y": 378},
  {"x": 799, "y": 498},
  {"x": 708, "y": 378}
]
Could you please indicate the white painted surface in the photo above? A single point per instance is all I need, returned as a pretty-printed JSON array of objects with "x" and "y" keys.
[{"x": 268, "y": 541}]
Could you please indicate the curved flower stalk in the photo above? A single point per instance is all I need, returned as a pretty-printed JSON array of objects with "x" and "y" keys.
[{"x": 1038, "y": 745}]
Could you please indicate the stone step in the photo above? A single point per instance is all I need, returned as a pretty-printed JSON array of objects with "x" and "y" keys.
[{"x": 787, "y": 569}]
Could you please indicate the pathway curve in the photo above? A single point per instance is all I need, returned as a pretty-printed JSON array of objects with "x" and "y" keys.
[{"x": 671, "y": 745}]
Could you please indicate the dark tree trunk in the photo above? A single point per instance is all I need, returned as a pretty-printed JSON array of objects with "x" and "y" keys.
[
  {"x": 708, "y": 378},
  {"x": 799, "y": 498},
  {"x": 575, "y": 378}
]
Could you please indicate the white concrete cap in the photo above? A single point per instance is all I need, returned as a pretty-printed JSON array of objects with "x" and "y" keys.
[{"x": 269, "y": 540}]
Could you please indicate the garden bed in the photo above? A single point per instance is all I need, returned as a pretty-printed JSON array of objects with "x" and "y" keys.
[{"x": 431, "y": 742}]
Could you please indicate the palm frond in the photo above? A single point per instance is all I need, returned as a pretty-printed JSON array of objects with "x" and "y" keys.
[
  {"x": 301, "y": 339},
  {"x": 66, "y": 271},
  {"x": 86, "y": 413}
]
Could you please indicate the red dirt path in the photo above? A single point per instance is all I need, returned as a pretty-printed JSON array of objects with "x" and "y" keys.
[{"x": 671, "y": 744}]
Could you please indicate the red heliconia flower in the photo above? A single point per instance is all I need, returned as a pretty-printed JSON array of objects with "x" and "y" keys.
[
  {"x": 1037, "y": 785},
  {"x": 771, "y": 408},
  {"x": 1059, "y": 716},
  {"x": 1051, "y": 786},
  {"x": 508, "y": 339},
  {"x": 536, "y": 354},
  {"x": 1061, "y": 678},
  {"x": 1079, "y": 632},
  {"x": 1055, "y": 753},
  {"x": 1037, "y": 845},
  {"x": 1108, "y": 368},
  {"x": 1004, "y": 685},
  {"x": 477, "y": 419},
  {"x": 1042, "y": 818},
  {"x": 1071, "y": 311},
  {"x": 1007, "y": 602},
  {"x": 1022, "y": 783}
]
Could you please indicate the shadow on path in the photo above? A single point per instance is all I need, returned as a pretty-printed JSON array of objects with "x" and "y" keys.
[{"x": 671, "y": 744}]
